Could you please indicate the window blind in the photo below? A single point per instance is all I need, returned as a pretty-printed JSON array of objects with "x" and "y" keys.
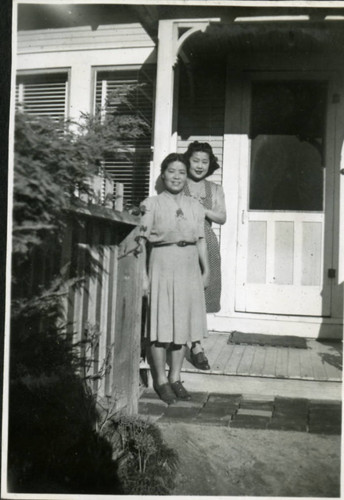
[
  {"x": 43, "y": 94},
  {"x": 129, "y": 93}
]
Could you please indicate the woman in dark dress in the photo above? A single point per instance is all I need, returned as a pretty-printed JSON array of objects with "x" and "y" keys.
[{"x": 202, "y": 163}]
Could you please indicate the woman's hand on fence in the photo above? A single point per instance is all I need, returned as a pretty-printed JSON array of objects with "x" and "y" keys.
[{"x": 140, "y": 248}]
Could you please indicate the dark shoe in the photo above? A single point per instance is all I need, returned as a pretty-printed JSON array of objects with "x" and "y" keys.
[
  {"x": 180, "y": 391},
  {"x": 199, "y": 360},
  {"x": 165, "y": 393}
]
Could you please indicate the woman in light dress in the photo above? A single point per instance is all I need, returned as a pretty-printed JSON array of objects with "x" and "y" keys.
[
  {"x": 173, "y": 225},
  {"x": 202, "y": 163}
]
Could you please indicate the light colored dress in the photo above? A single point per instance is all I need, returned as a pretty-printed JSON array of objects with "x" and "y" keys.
[
  {"x": 176, "y": 305},
  {"x": 212, "y": 198}
]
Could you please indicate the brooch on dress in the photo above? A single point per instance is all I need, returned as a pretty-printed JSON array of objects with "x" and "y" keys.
[{"x": 180, "y": 214}]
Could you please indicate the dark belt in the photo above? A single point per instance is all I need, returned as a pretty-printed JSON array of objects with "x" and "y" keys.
[{"x": 178, "y": 243}]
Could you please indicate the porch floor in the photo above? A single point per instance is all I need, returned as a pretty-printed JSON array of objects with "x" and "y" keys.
[
  {"x": 321, "y": 361},
  {"x": 274, "y": 371},
  {"x": 315, "y": 372}
]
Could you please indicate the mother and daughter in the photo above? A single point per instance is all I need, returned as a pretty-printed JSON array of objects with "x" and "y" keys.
[{"x": 183, "y": 280}]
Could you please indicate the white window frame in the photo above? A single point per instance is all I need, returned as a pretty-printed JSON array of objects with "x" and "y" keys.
[{"x": 48, "y": 71}]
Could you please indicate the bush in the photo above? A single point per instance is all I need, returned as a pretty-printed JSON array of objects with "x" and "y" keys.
[
  {"x": 146, "y": 465},
  {"x": 52, "y": 160},
  {"x": 53, "y": 443}
]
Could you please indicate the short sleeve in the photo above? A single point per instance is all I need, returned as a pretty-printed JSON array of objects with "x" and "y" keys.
[{"x": 147, "y": 217}]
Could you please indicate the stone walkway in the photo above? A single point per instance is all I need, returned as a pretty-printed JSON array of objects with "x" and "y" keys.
[{"x": 247, "y": 411}]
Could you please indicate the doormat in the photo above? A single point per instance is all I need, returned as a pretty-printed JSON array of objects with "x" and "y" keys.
[{"x": 240, "y": 338}]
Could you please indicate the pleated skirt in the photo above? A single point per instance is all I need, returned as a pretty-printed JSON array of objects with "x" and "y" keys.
[{"x": 177, "y": 310}]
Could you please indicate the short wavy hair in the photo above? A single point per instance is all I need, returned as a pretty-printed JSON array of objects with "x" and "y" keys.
[
  {"x": 203, "y": 147},
  {"x": 170, "y": 159}
]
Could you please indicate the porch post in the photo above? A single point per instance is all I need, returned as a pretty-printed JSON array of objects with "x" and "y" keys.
[
  {"x": 341, "y": 214},
  {"x": 167, "y": 38},
  {"x": 80, "y": 89}
]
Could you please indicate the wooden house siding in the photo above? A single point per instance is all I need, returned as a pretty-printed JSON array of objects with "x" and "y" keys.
[{"x": 83, "y": 38}]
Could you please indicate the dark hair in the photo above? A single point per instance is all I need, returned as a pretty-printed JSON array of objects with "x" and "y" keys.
[
  {"x": 203, "y": 147},
  {"x": 170, "y": 159}
]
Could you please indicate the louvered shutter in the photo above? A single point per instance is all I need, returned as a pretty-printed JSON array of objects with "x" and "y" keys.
[
  {"x": 112, "y": 88},
  {"x": 43, "y": 94}
]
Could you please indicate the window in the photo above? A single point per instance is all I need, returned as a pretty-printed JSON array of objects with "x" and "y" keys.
[
  {"x": 128, "y": 93},
  {"x": 43, "y": 94},
  {"x": 287, "y": 145}
]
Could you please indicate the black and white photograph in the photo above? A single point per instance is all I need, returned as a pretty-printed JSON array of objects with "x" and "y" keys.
[{"x": 174, "y": 282}]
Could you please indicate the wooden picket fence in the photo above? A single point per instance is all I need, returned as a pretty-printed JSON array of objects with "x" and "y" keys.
[
  {"x": 102, "y": 303},
  {"x": 103, "y": 310}
]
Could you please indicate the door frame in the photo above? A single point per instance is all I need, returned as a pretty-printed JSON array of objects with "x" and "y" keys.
[
  {"x": 235, "y": 149},
  {"x": 327, "y": 215}
]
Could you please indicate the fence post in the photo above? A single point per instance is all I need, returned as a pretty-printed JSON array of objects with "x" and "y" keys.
[{"x": 127, "y": 346}]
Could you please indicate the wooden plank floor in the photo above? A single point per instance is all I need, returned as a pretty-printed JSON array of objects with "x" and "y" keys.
[{"x": 321, "y": 361}]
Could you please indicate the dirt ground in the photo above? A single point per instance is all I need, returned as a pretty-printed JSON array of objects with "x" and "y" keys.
[{"x": 249, "y": 462}]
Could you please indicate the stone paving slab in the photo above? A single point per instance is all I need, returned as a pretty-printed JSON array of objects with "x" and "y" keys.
[
  {"x": 252, "y": 405},
  {"x": 254, "y": 412},
  {"x": 242, "y": 411},
  {"x": 240, "y": 424},
  {"x": 325, "y": 409},
  {"x": 290, "y": 414},
  {"x": 258, "y": 398},
  {"x": 224, "y": 398},
  {"x": 290, "y": 402},
  {"x": 287, "y": 425},
  {"x": 325, "y": 414},
  {"x": 321, "y": 402},
  {"x": 219, "y": 409},
  {"x": 248, "y": 420},
  {"x": 291, "y": 408},
  {"x": 180, "y": 412},
  {"x": 190, "y": 404}
]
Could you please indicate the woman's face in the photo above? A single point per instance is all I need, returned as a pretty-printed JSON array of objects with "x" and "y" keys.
[
  {"x": 174, "y": 177},
  {"x": 199, "y": 165}
]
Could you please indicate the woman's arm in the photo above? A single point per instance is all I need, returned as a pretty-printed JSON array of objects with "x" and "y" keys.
[
  {"x": 203, "y": 258},
  {"x": 144, "y": 230},
  {"x": 141, "y": 249},
  {"x": 145, "y": 278},
  {"x": 218, "y": 213}
]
